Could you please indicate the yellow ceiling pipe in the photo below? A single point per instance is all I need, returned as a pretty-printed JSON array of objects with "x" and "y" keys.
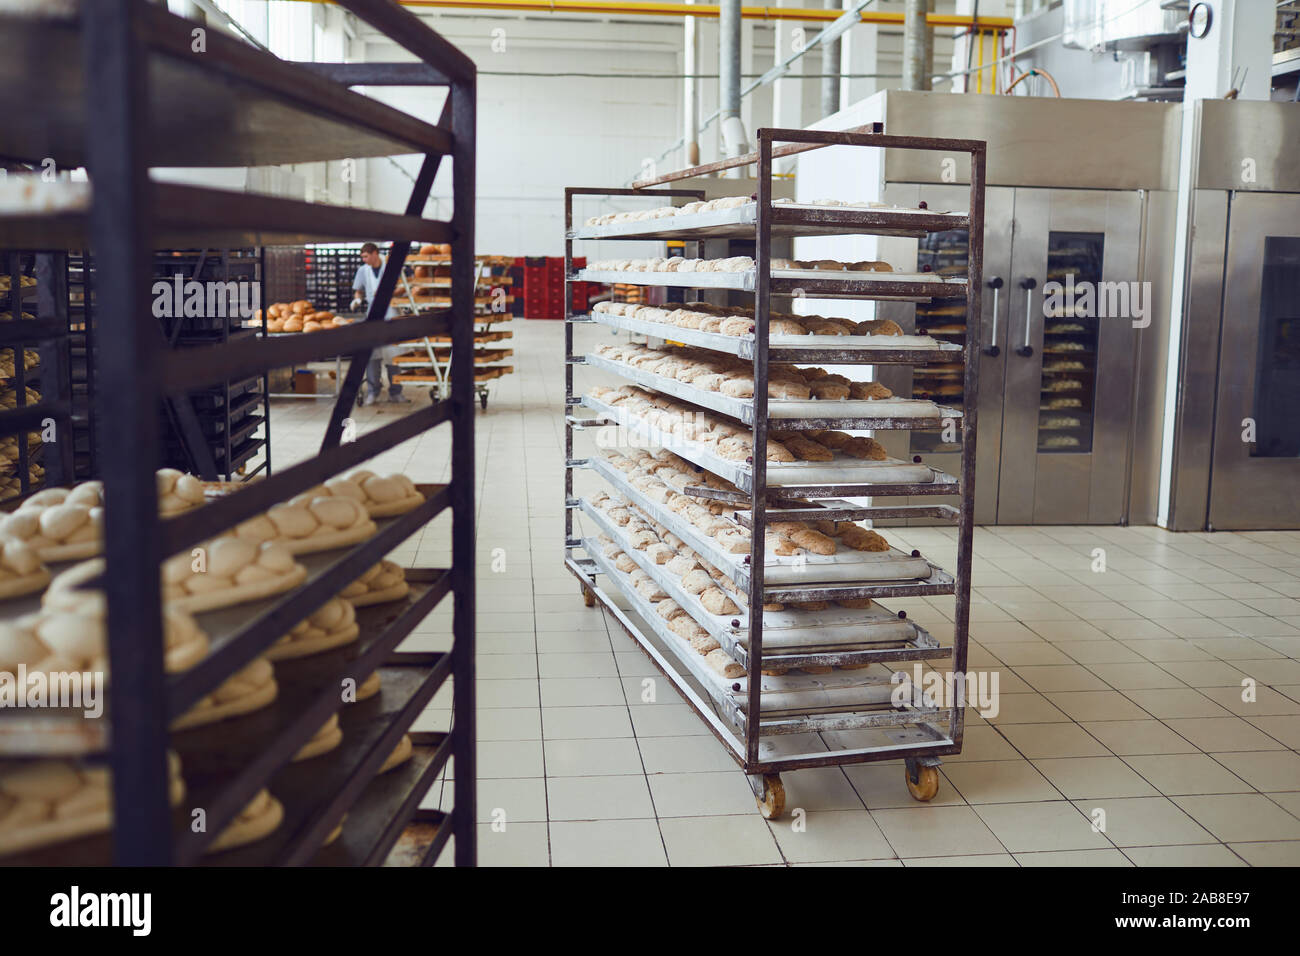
[{"x": 708, "y": 10}]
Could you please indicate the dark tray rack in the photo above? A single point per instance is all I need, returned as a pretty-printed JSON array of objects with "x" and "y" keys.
[
  {"x": 47, "y": 335},
  {"x": 928, "y": 734},
  {"x": 139, "y": 114}
]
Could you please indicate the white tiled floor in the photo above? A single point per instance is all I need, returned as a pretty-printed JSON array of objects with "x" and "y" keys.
[{"x": 1121, "y": 691}]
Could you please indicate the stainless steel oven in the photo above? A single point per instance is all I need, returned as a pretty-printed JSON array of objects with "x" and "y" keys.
[
  {"x": 1233, "y": 458},
  {"x": 1057, "y": 372}
]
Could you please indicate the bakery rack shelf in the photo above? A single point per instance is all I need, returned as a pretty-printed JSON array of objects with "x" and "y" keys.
[
  {"x": 789, "y": 219},
  {"x": 790, "y": 351},
  {"x": 757, "y": 706},
  {"x": 229, "y": 105},
  {"x": 817, "y": 284},
  {"x": 791, "y": 414},
  {"x": 197, "y": 215},
  {"x": 859, "y": 703},
  {"x": 833, "y": 482},
  {"x": 154, "y": 103},
  {"x": 392, "y": 797},
  {"x": 798, "y": 644}
]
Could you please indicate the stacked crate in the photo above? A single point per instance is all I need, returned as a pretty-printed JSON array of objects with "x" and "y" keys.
[{"x": 543, "y": 279}]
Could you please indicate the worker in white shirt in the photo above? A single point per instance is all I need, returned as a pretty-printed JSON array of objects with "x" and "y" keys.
[{"x": 364, "y": 286}]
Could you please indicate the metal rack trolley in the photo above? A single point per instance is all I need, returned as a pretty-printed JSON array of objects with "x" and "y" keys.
[
  {"x": 435, "y": 371},
  {"x": 135, "y": 87},
  {"x": 919, "y": 735}
]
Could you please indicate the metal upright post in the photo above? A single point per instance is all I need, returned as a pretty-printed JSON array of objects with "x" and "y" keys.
[
  {"x": 568, "y": 368},
  {"x": 463, "y": 97},
  {"x": 758, "y": 495},
  {"x": 127, "y": 423},
  {"x": 970, "y": 409}
]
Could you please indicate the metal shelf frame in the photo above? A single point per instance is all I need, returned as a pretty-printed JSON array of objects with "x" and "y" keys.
[
  {"x": 919, "y": 737},
  {"x": 124, "y": 123},
  {"x": 47, "y": 334}
]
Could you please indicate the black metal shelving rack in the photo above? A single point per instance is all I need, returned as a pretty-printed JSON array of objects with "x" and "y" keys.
[
  {"x": 46, "y": 333},
  {"x": 328, "y": 273},
  {"x": 136, "y": 97},
  {"x": 232, "y": 418},
  {"x": 81, "y": 368},
  {"x": 919, "y": 733}
]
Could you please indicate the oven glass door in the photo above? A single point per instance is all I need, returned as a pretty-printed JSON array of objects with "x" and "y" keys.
[{"x": 1255, "y": 477}]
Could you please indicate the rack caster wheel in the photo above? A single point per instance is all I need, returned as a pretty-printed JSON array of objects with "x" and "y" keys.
[
  {"x": 772, "y": 803},
  {"x": 588, "y": 597},
  {"x": 482, "y": 401},
  {"x": 922, "y": 782}
]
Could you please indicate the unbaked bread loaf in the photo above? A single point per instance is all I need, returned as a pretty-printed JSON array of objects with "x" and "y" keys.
[
  {"x": 47, "y": 802},
  {"x": 383, "y": 582},
  {"x": 257, "y": 820},
  {"x": 329, "y": 736},
  {"x": 178, "y": 491},
  {"x": 332, "y": 625},
  {"x": 382, "y": 495},
  {"x": 21, "y": 570},
  {"x": 310, "y": 522}
]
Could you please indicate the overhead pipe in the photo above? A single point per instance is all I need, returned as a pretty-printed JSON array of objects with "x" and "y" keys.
[
  {"x": 831, "y": 68},
  {"x": 642, "y": 8},
  {"x": 690, "y": 94},
  {"x": 916, "y": 73},
  {"x": 732, "y": 126}
]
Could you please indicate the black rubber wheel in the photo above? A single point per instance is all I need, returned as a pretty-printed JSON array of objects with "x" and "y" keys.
[{"x": 482, "y": 401}]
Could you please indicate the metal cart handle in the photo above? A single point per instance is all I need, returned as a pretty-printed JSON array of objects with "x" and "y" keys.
[
  {"x": 995, "y": 284},
  {"x": 1028, "y": 283}
]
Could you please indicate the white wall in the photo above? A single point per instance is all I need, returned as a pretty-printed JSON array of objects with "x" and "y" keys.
[{"x": 537, "y": 135}]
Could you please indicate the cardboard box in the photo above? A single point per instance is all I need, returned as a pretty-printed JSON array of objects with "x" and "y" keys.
[{"x": 304, "y": 382}]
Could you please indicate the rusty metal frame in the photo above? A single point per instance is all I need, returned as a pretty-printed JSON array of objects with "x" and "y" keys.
[{"x": 928, "y": 742}]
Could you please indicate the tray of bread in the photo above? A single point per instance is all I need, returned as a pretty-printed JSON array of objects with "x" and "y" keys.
[
  {"x": 796, "y": 552},
  {"x": 740, "y": 273},
  {"x": 726, "y": 680},
  {"x": 720, "y": 605},
  {"x": 716, "y": 327},
  {"x": 794, "y": 458},
  {"x": 736, "y": 216},
  {"x": 726, "y": 384}
]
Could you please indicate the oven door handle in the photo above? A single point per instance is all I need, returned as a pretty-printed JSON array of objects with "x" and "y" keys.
[
  {"x": 1028, "y": 283},
  {"x": 995, "y": 284}
]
